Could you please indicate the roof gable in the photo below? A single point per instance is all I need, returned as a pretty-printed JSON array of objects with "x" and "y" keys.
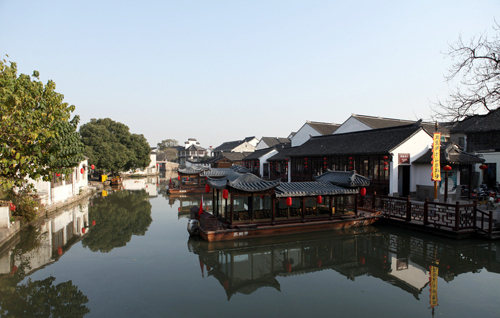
[{"x": 323, "y": 128}]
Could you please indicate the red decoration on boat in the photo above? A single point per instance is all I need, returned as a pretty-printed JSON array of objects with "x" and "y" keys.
[
  {"x": 362, "y": 192},
  {"x": 12, "y": 207},
  {"x": 83, "y": 230},
  {"x": 179, "y": 178},
  {"x": 319, "y": 199},
  {"x": 92, "y": 166},
  {"x": 59, "y": 251},
  {"x": 207, "y": 188},
  {"x": 289, "y": 201},
  {"x": 225, "y": 193},
  {"x": 483, "y": 167},
  {"x": 93, "y": 223},
  {"x": 447, "y": 168},
  {"x": 82, "y": 170}
]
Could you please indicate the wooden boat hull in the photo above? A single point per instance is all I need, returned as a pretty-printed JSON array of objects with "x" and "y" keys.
[{"x": 291, "y": 228}]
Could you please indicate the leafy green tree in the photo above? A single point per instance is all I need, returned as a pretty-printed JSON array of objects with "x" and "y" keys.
[
  {"x": 38, "y": 137},
  {"x": 112, "y": 148},
  {"x": 118, "y": 216},
  {"x": 167, "y": 143}
]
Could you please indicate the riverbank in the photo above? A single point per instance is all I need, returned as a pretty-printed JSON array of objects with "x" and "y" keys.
[{"x": 7, "y": 234}]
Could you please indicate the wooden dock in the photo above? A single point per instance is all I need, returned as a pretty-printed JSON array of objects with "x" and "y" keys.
[{"x": 459, "y": 220}]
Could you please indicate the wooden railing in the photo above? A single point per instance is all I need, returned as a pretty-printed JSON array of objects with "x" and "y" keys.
[{"x": 454, "y": 217}]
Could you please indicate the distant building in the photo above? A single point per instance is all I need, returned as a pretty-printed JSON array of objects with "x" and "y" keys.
[
  {"x": 249, "y": 144},
  {"x": 192, "y": 151},
  {"x": 312, "y": 129},
  {"x": 266, "y": 142}
]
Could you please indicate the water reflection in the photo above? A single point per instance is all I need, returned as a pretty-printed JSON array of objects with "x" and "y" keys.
[
  {"x": 410, "y": 263},
  {"x": 32, "y": 249},
  {"x": 117, "y": 217},
  {"x": 186, "y": 203}
]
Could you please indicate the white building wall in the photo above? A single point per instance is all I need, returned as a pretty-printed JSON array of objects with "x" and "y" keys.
[
  {"x": 262, "y": 145},
  {"x": 244, "y": 147},
  {"x": 416, "y": 146},
  {"x": 263, "y": 160},
  {"x": 303, "y": 135},
  {"x": 350, "y": 125},
  {"x": 254, "y": 142}
]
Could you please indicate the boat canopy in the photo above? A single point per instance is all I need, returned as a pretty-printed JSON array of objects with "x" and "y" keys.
[
  {"x": 310, "y": 188},
  {"x": 247, "y": 182},
  {"x": 192, "y": 170},
  {"x": 349, "y": 179}
]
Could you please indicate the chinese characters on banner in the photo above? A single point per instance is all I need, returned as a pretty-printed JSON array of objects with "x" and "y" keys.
[{"x": 436, "y": 160}]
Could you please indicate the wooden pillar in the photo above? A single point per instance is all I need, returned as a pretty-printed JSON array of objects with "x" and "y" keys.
[
  {"x": 331, "y": 207},
  {"x": 303, "y": 201},
  {"x": 232, "y": 211},
  {"x": 273, "y": 210}
]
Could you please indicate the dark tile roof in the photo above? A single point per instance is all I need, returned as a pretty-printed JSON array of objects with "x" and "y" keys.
[
  {"x": 247, "y": 139},
  {"x": 223, "y": 172},
  {"x": 311, "y": 188},
  {"x": 258, "y": 153},
  {"x": 344, "y": 179},
  {"x": 323, "y": 128},
  {"x": 479, "y": 123},
  {"x": 450, "y": 154},
  {"x": 191, "y": 170},
  {"x": 247, "y": 182},
  {"x": 231, "y": 156},
  {"x": 282, "y": 154},
  {"x": 195, "y": 147},
  {"x": 229, "y": 145},
  {"x": 375, "y": 141},
  {"x": 380, "y": 122},
  {"x": 272, "y": 141}
]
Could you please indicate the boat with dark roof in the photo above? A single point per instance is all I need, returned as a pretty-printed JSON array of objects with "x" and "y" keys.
[
  {"x": 246, "y": 206},
  {"x": 192, "y": 180}
]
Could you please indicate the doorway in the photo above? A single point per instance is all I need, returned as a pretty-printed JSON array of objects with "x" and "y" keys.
[{"x": 404, "y": 181}]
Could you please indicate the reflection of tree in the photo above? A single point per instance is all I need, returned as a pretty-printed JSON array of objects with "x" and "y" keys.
[
  {"x": 42, "y": 299},
  {"x": 119, "y": 216}
]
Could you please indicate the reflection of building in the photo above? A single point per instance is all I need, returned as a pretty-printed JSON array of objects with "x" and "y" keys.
[
  {"x": 404, "y": 261},
  {"x": 54, "y": 236},
  {"x": 188, "y": 202},
  {"x": 148, "y": 184}
]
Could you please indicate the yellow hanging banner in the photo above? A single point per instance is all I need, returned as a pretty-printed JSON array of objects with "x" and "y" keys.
[
  {"x": 433, "y": 285},
  {"x": 436, "y": 157}
]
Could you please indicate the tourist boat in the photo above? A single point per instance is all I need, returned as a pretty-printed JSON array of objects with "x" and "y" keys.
[
  {"x": 116, "y": 181},
  {"x": 192, "y": 180},
  {"x": 246, "y": 206}
]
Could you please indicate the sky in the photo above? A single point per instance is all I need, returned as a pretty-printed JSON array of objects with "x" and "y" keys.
[{"x": 224, "y": 70}]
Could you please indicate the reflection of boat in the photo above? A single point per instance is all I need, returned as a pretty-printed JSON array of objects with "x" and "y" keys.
[
  {"x": 116, "y": 181},
  {"x": 252, "y": 207},
  {"x": 245, "y": 266}
]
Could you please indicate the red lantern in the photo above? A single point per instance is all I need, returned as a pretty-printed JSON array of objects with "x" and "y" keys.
[
  {"x": 225, "y": 193},
  {"x": 289, "y": 201},
  {"x": 92, "y": 166},
  {"x": 385, "y": 168},
  {"x": 187, "y": 178},
  {"x": 350, "y": 168},
  {"x": 82, "y": 170},
  {"x": 319, "y": 263},
  {"x": 59, "y": 251},
  {"x": 12, "y": 207},
  {"x": 83, "y": 230},
  {"x": 14, "y": 270},
  {"x": 483, "y": 167},
  {"x": 386, "y": 163},
  {"x": 447, "y": 168},
  {"x": 350, "y": 158},
  {"x": 179, "y": 178},
  {"x": 362, "y": 260},
  {"x": 93, "y": 223},
  {"x": 319, "y": 199},
  {"x": 288, "y": 267},
  {"x": 350, "y": 163},
  {"x": 58, "y": 174},
  {"x": 362, "y": 192},
  {"x": 385, "y": 157},
  {"x": 207, "y": 188},
  {"x": 324, "y": 158}
]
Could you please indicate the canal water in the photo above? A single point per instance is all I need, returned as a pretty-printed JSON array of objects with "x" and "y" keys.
[{"x": 127, "y": 254}]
